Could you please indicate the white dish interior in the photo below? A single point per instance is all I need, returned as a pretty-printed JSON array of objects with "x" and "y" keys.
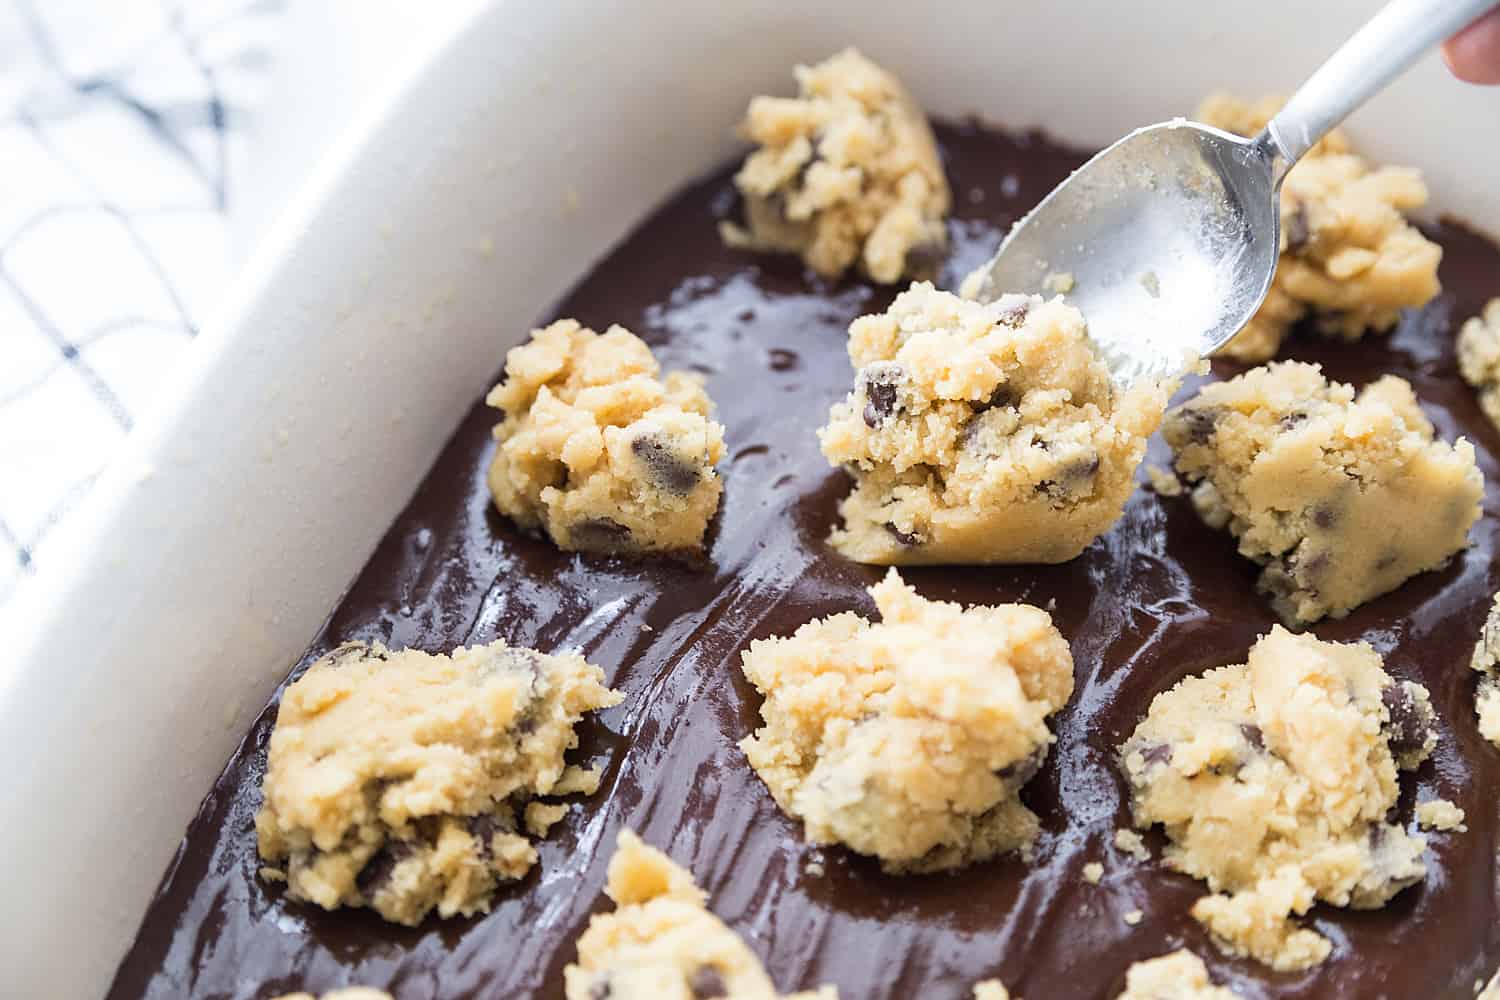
[{"x": 499, "y": 167}]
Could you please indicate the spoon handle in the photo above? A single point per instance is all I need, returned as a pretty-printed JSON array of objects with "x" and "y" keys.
[{"x": 1379, "y": 52}]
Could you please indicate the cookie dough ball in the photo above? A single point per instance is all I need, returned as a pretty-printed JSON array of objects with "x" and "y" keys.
[
  {"x": 1479, "y": 357},
  {"x": 1341, "y": 497},
  {"x": 1486, "y": 661},
  {"x": 600, "y": 451},
  {"x": 660, "y": 943},
  {"x": 406, "y": 782},
  {"x": 1273, "y": 779},
  {"x": 1178, "y": 976},
  {"x": 1348, "y": 254},
  {"x": 982, "y": 433},
  {"x": 845, "y": 173},
  {"x": 909, "y": 738}
]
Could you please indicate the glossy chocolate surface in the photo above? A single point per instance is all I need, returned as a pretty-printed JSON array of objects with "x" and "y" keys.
[{"x": 1160, "y": 596}]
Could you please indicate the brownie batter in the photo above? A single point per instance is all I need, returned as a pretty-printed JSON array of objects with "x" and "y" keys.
[{"x": 1159, "y": 597}]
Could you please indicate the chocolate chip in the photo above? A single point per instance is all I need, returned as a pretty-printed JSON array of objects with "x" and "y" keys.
[
  {"x": 600, "y": 990},
  {"x": 1387, "y": 560},
  {"x": 382, "y": 864},
  {"x": 484, "y": 827},
  {"x": 707, "y": 982},
  {"x": 1199, "y": 422},
  {"x": 1253, "y": 736},
  {"x": 599, "y": 533},
  {"x": 1156, "y": 753},
  {"x": 1013, "y": 316},
  {"x": 1019, "y": 772},
  {"x": 1000, "y": 397},
  {"x": 879, "y": 381},
  {"x": 1309, "y": 568},
  {"x": 1297, "y": 228},
  {"x": 1324, "y": 516},
  {"x": 1407, "y": 728},
  {"x": 1292, "y": 419},
  {"x": 670, "y": 471},
  {"x": 907, "y": 538}
]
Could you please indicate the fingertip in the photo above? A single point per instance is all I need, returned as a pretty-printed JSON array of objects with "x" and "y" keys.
[{"x": 1473, "y": 55}]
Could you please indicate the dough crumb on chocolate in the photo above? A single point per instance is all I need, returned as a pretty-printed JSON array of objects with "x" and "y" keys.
[
  {"x": 661, "y": 943},
  {"x": 996, "y": 434},
  {"x": 1479, "y": 357},
  {"x": 1275, "y": 786},
  {"x": 910, "y": 738},
  {"x": 1440, "y": 814},
  {"x": 1349, "y": 257},
  {"x": 1486, "y": 662},
  {"x": 846, "y": 173},
  {"x": 599, "y": 450},
  {"x": 1178, "y": 976},
  {"x": 400, "y": 780},
  {"x": 992, "y": 989},
  {"x": 1163, "y": 482},
  {"x": 1133, "y": 843},
  {"x": 1340, "y": 497},
  {"x": 1093, "y": 873}
]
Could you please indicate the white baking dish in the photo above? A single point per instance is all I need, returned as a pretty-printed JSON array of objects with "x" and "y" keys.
[{"x": 493, "y": 174}]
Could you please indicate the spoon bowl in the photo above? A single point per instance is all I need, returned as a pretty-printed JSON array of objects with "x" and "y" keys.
[{"x": 1166, "y": 241}]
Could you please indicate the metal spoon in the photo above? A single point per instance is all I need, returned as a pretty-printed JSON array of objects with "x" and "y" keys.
[{"x": 1167, "y": 240}]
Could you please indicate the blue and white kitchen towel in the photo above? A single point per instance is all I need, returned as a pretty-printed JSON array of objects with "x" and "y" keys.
[{"x": 122, "y": 135}]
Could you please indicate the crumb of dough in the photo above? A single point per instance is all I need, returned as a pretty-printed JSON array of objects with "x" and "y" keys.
[
  {"x": 1349, "y": 255},
  {"x": 661, "y": 940},
  {"x": 845, "y": 174},
  {"x": 909, "y": 739},
  {"x": 1479, "y": 357},
  {"x": 1093, "y": 873},
  {"x": 1440, "y": 814},
  {"x": 1178, "y": 976},
  {"x": 1163, "y": 482},
  {"x": 1059, "y": 282},
  {"x": 1486, "y": 663},
  {"x": 1134, "y": 917},
  {"x": 992, "y": 989},
  {"x": 1133, "y": 844}
]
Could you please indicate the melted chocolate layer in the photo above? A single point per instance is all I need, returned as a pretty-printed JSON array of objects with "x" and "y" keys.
[{"x": 1159, "y": 597}]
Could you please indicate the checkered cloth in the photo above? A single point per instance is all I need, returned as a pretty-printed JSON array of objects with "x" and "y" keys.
[{"x": 122, "y": 132}]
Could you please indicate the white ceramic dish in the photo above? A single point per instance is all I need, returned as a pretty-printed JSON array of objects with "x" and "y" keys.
[{"x": 374, "y": 315}]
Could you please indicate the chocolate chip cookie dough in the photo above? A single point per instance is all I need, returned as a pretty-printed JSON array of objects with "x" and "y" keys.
[
  {"x": 1486, "y": 661},
  {"x": 1273, "y": 780},
  {"x": 982, "y": 433},
  {"x": 405, "y": 781},
  {"x": 845, "y": 173},
  {"x": 1339, "y": 496},
  {"x": 1178, "y": 976},
  {"x": 1479, "y": 357},
  {"x": 598, "y": 449},
  {"x": 1348, "y": 254},
  {"x": 661, "y": 943},
  {"x": 909, "y": 738}
]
